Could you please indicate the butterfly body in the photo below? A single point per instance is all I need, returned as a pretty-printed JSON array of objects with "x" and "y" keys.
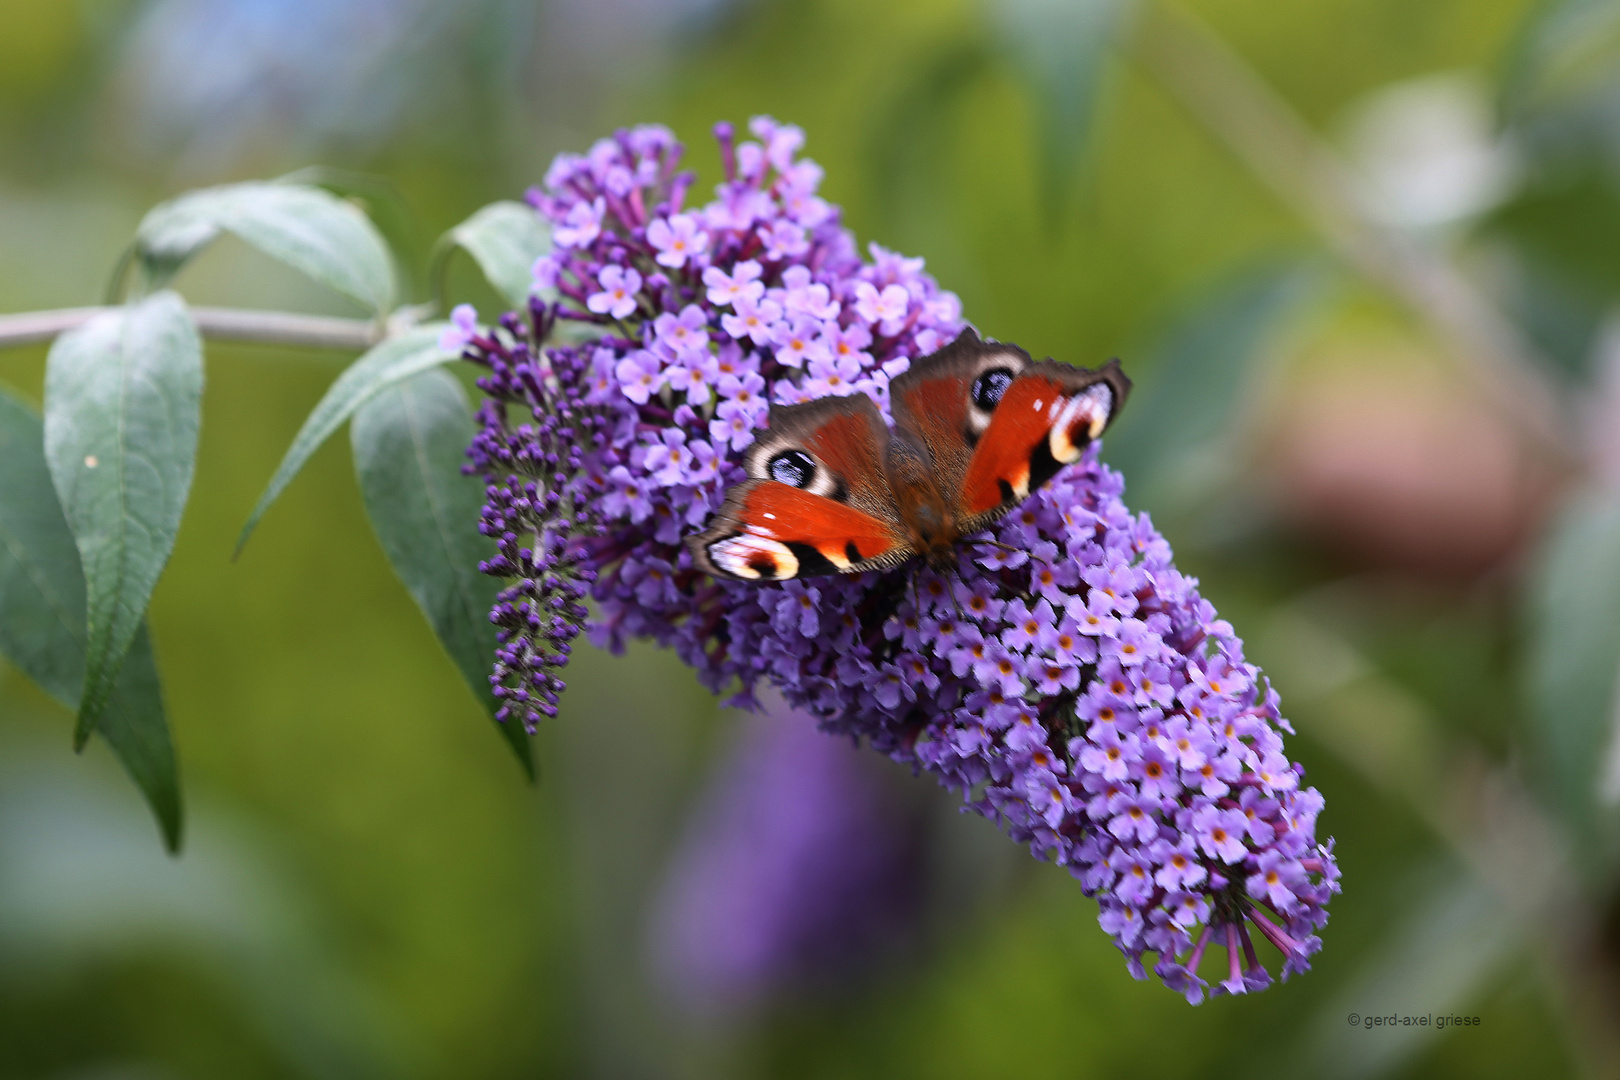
[
  {"x": 833, "y": 489},
  {"x": 929, "y": 524}
]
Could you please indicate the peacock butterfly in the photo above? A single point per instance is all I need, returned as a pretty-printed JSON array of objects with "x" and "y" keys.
[{"x": 978, "y": 425}]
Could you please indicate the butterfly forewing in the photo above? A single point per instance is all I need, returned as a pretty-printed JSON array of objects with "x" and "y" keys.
[
  {"x": 934, "y": 402},
  {"x": 771, "y": 531},
  {"x": 845, "y": 438}
]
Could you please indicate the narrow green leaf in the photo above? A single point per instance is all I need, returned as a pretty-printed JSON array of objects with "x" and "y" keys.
[
  {"x": 42, "y": 603},
  {"x": 1061, "y": 47},
  {"x": 1571, "y": 670},
  {"x": 123, "y": 395},
  {"x": 1205, "y": 365},
  {"x": 135, "y": 724},
  {"x": 398, "y": 358},
  {"x": 410, "y": 442},
  {"x": 309, "y": 229},
  {"x": 504, "y": 239}
]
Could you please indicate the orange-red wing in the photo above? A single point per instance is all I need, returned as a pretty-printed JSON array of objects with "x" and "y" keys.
[
  {"x": 846, "y": 436},
  {"x": 793, "y": 516},
  {"x": 769, "y": 531},
  {"x": 1044, "y": 421},
  {"x": 1014, "y": 453},
  {"x": 847, "y": 443},
  {"x": 932, "y": 401}
]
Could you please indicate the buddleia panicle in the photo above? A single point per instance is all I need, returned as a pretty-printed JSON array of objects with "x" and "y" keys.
[{"x": 1071, "y": 684}]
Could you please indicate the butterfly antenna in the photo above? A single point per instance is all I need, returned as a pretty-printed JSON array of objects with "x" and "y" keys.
[{"x": 999, "y": 544}]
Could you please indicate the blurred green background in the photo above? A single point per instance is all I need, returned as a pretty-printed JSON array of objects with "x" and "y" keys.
[{"x": 1360, "y": 256}]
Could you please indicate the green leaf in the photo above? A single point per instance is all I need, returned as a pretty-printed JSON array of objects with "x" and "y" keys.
[
  {"x": 410, "y": 441},
  {"x": 1557, "y": 242},
  {"x": 384, "y": 206},
  {"x": 42, "y": 603},
  {"x": 504, "y": 239},
  {"x": 309, "y": 229},
  {"x": 1061, "y": 47},
  {"x": 1563, "y": 56},
  {"x": 41, "y": 585},
  {"x": 1571, "y": 669},
  {"x": 123, "y": 395},
  {"x": 396, "y": 359},
  {"x": 1205, "y": 365}
]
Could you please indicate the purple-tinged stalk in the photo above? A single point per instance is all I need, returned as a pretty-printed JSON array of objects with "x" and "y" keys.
[{"x": 1077, "y": 688}]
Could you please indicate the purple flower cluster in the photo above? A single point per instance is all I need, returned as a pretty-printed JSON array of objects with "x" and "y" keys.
[
  {"x": 532, "y": 449},
  {"x": 1069, "y": 683},
  {"x": 797, "y": 871}
]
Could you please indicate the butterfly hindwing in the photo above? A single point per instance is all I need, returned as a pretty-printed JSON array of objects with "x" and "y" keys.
[
  {"x": 817, "y": 500},
  {"x": 1044, "y": 421},
  {"x": 769, "y": 531}
]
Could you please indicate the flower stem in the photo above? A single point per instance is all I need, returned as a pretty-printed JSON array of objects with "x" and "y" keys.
[{"x": 221, "y": 324}]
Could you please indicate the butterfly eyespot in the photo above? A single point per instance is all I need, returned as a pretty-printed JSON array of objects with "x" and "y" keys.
[
  {"x": 794, "y": 468},
  {"x": 753, "y": 558},
  {"x": 989, "y": 386},
  {"x": 1081, "y": 419}
]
